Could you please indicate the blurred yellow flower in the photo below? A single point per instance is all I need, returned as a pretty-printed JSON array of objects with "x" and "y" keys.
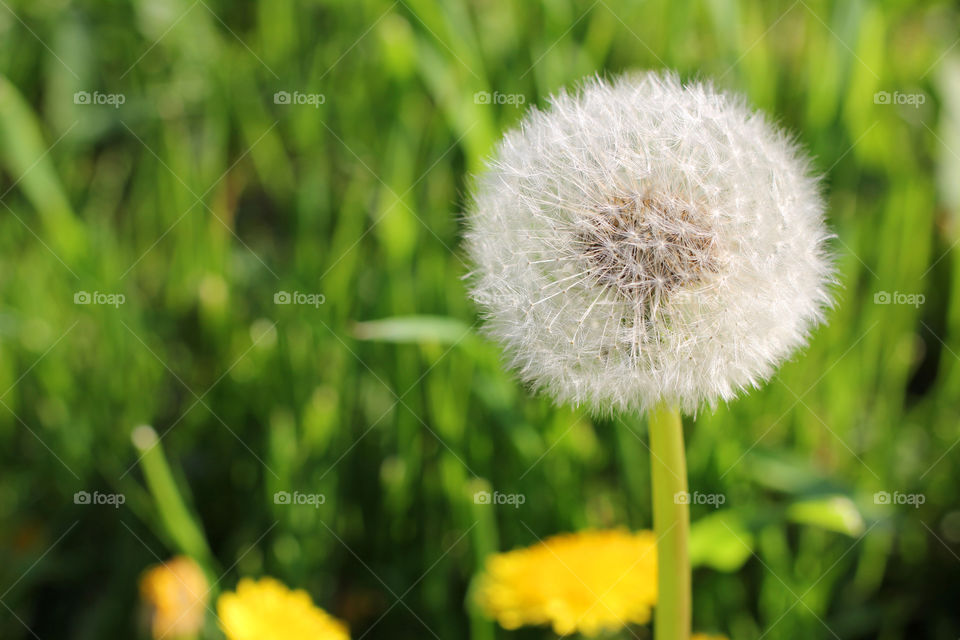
[
  {"x": 175, "y": 593},
  {"x": 707, "y": 636},
  {"x": 591, "y": 582},
  {"x": 266, "y": 609}
]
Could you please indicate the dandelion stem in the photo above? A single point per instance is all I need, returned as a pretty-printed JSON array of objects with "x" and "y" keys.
[{"x": 671, "y": 523}]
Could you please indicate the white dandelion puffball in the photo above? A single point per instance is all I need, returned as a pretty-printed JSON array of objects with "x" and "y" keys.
[{"x": 642, "y": 240}]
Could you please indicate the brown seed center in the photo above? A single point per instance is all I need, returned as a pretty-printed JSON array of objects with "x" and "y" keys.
[{"x": 645, "y": 247}]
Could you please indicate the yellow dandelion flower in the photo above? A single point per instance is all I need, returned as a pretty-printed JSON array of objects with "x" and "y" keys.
[
  {"x": 591, "y": 582},
  {"x": 707, "y": 636},
  {"x": 176, "y": 595},
  {"x": 266, "y": 609}
]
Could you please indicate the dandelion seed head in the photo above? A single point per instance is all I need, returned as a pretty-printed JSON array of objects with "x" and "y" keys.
[{"x": 643, "y": 240}]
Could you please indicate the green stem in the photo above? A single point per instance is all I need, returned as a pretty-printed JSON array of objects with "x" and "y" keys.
[
  {"x": 181, "y": 525},
  {"x": 671, "y": 523}
]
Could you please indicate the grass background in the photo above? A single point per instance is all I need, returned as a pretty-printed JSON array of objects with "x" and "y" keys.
[{"x": 199, "y": 198}]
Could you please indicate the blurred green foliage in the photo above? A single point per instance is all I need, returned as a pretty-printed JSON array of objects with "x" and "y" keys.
[{"x": 201, "y": 197}]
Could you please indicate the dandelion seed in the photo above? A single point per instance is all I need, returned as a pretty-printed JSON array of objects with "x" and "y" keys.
[{"x": 642, "y": 241}]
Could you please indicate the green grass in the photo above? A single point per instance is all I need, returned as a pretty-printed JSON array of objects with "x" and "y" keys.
[{"x": 199, "y": 198}]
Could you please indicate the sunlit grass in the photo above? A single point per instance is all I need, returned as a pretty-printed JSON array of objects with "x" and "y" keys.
[{"x": 199, "y": 199}]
